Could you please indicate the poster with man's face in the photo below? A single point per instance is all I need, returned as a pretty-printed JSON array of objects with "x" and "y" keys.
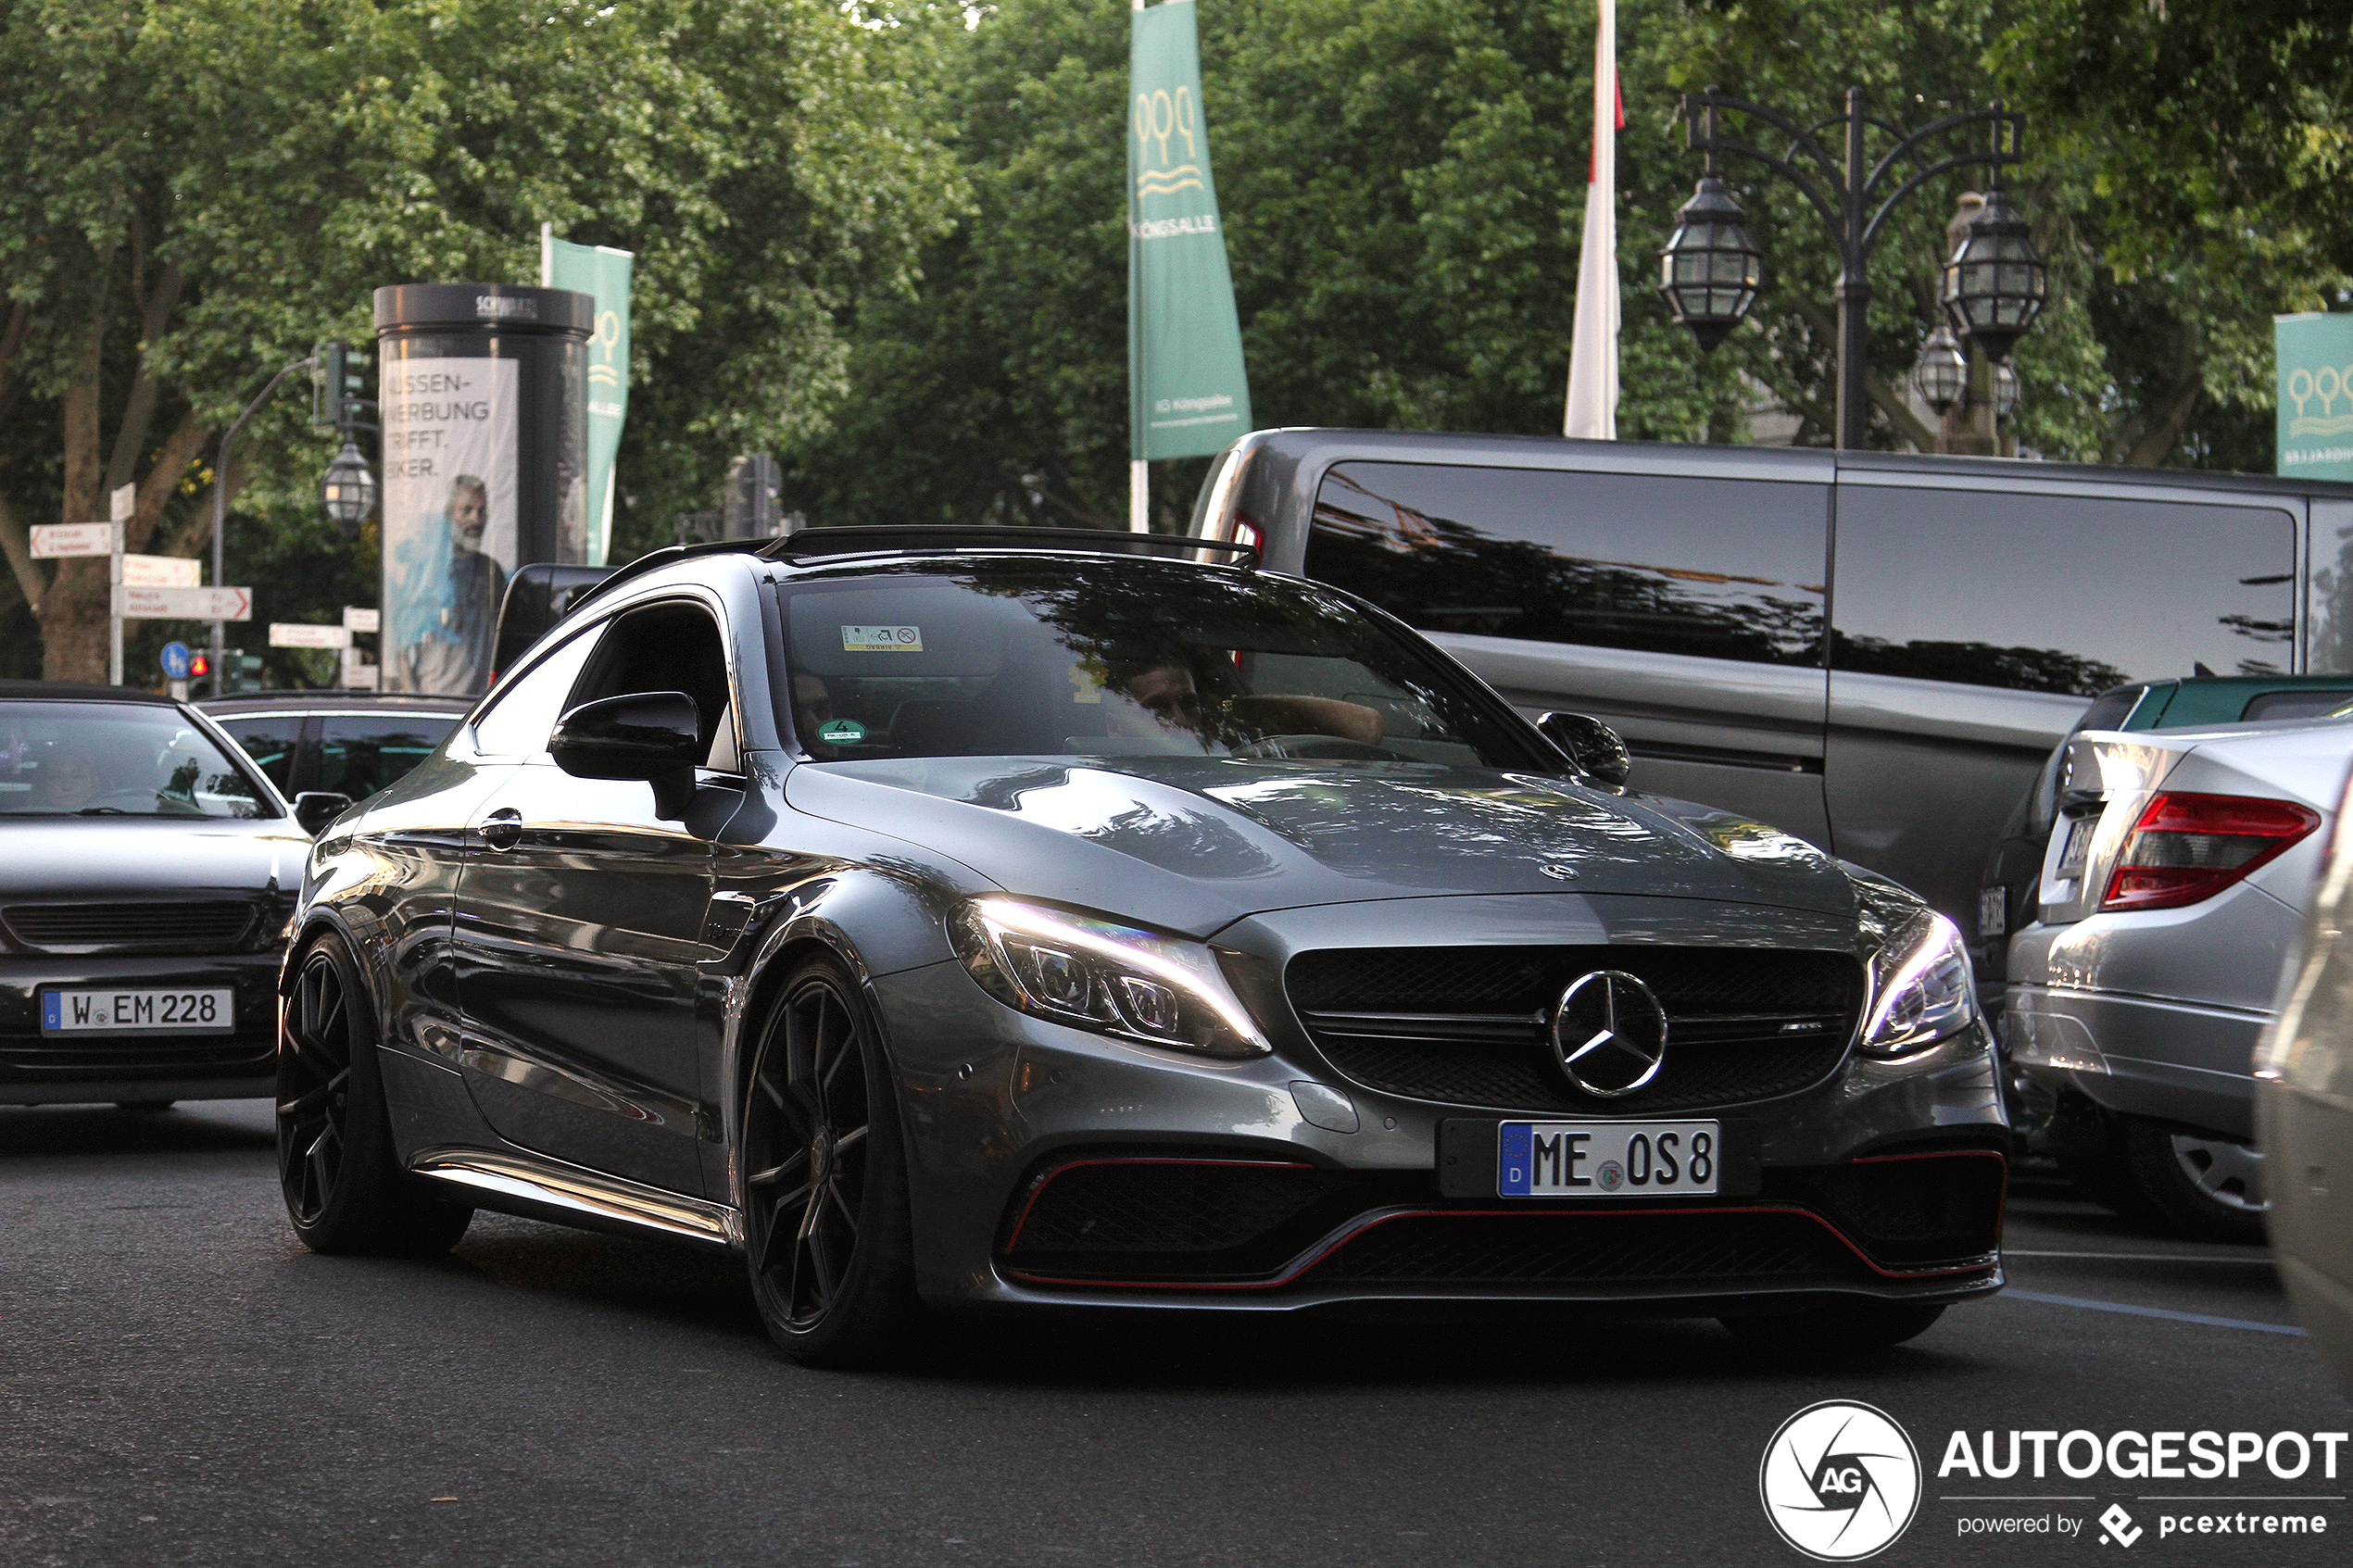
[{"x": 450, "y": 432}]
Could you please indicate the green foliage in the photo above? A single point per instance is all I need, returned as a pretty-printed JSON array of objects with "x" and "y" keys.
[
  {"x": 204, "y": 188},
  {"x": 1404, "y": 191}
]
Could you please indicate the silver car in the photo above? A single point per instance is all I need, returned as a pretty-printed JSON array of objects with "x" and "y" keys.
[
  {"x": 2169, "y": 900},
  {"x": 2304, "y": 1118}
]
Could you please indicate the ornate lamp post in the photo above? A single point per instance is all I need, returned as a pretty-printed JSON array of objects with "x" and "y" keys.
[
  {"x": 1994, "y": 282},
  {"x": 347, "y": 490}
]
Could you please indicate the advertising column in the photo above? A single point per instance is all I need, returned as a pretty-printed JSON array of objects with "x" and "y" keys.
[{"x": 484, "y": 442}]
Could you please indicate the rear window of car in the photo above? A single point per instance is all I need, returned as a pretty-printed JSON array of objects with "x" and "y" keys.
[
  {"x": 270, "y": 739},
  {"x": 2058, "y": 593},
  {"x": 1719, "y": 567},
  {"x": 2297, "y": 705},
  {"x": 361, "y": 754}
]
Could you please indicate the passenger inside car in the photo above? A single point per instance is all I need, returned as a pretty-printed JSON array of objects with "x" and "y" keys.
[{"x": 931, "y": 667}]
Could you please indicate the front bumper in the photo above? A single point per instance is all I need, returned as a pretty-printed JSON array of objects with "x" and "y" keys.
[
  {"x": 1007, "y": 1114},
  {"x": 37, "y": 1069}
]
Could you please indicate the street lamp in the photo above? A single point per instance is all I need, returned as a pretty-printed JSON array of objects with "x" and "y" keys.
[
  {"x": 1942, "y": 376},
  {"x": 347, "y": 490},
  {"x": 1711, "y": 267},
  {"x": 1994, "y": 282},
  {"x": 2005, "y": 390}
]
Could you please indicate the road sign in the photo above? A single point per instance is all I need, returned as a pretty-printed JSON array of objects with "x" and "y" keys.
[
  {"x": 124, "y": 502},
  {"x": 62, "y": 541},
  {"x": 187, "y": 604},
  {"x": 358, "y": 673},
  {"x": 176, "y": 661},
  {"x": 162, "y": 572},
  {"x": 358, "y": 619},
  {"x": 307, "y": 634}
]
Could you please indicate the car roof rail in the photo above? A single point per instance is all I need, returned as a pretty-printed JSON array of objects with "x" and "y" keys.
[{"x": 812, "y": 543}]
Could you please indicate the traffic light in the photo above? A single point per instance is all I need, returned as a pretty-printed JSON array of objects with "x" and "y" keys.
[
  {"x": 339, "y": 392},
  {"x": 244, "y": 672},
  {"x": 199, "y": 666}
]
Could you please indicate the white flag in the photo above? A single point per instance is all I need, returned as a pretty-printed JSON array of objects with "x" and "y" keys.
[{"x": 1592, "y": 351}]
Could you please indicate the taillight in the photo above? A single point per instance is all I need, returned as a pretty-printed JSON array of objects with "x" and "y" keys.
[{"x": 2188, "y": 847}]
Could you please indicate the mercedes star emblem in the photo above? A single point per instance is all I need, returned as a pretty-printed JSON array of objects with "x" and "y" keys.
[{"x": 1609, "y": 1032}]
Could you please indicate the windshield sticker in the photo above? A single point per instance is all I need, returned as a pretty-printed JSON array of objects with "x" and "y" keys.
[
  {"x": 882, "y": 639},
  {"x": 842, "y": 731}
]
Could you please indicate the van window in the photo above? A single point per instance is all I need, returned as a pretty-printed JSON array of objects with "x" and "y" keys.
[
  {"x": 1721, "y": 568},
  {"x": 2059, "y": 594}
]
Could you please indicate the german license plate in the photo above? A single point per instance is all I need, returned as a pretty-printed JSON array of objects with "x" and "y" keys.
[
  {"x": 143, "y": 1012},
  {"x": 1606, "y": 1159}
]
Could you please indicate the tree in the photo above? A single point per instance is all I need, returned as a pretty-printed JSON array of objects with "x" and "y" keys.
[
  {"x": 201, "y": 189},
  {"x": 1402, "y": 190}
]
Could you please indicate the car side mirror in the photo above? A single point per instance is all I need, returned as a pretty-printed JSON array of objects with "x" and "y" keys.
[
  {"x": 644, "y": 735},
  {"x": 314, "y": 809},
  {"x": 1592, "y": 745}
]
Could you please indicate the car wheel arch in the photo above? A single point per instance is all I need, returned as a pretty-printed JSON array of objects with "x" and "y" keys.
[{"x": 806, "y": 935}]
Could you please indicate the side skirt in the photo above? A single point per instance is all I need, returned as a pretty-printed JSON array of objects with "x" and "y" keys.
[{"x": 566, "y": 1195}]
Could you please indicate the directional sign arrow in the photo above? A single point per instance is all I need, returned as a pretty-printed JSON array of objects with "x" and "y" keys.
[{"x": 186, "y": 604}]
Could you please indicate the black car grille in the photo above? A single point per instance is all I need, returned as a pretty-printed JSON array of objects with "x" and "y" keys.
[
  {"x": 116, "y": 1058},
  {"x": 1589, "y": 1248},
  {"x": 1115, "y": 1220},
  {"x": 160, "y": 927},
  {"x": 1468, "y": 1025}
]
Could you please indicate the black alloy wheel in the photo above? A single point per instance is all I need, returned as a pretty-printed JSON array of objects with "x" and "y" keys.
[
  {"x": 314, "y": 1088},
  {"x": 825, "y": 1184},
  {"x": 344, "y": 1186}
]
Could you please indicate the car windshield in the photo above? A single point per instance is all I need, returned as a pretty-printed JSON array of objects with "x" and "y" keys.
[
  {"x": 110, "y": 759},
  {"x": 1118, "y": 657}
]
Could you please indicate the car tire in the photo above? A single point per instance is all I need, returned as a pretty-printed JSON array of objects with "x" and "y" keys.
[
  {"x": 827, "y": 1238},
  {"x": 144, "y": 1107},
  {"x": 344, "y": 1186},
  {"x": 2203, "y": 1188},
  {"x": 1845, "y": 1327}
]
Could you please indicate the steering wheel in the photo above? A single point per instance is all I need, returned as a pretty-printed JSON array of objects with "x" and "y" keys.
[{"x": 1318, "y": 748}]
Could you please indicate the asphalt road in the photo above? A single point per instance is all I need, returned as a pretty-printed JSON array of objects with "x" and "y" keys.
[{"x": 181, "y": 1383}]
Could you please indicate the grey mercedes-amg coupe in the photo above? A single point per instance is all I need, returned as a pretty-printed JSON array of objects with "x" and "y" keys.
[{"x": 945, "y": 918}]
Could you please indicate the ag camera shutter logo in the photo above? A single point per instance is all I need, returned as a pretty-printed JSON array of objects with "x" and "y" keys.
[{"x": 1840, "y": 1481}]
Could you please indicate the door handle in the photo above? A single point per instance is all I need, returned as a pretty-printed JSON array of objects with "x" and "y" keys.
[{"x": 503, "y": 828}]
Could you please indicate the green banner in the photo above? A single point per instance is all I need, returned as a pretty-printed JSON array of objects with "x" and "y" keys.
[
  {"x": 2316, "y": 395},
  {"x": 603, "y": 271},
  {"x": 1188, "y": 395}
]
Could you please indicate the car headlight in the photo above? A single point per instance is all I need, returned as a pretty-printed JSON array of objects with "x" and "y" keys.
[
  {"x": 1921, "y": 987},
  {"x": 1100, "y": 975}
]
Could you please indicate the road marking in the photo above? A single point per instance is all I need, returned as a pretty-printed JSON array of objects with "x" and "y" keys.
[
  {"x": 2142, "y": 1257},
  {"x": 2153, "y": 1313}
]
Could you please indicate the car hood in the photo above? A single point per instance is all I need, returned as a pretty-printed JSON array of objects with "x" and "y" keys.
[
  {"x": 1194, "y": 843},
  {"x": 99, "y": 857}
]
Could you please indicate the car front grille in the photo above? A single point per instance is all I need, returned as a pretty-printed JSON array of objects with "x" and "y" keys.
[
  {"x": 1114, "y": 1219},
  {"x": 158, "y": 926},
  {"x": 123, "y": 1058},
  {"x": 1468, "y": 1025}
]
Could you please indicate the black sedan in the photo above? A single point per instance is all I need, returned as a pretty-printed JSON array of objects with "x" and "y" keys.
[
  {"x": 147, "y": 872},
  {"x": 956, "y": 918}
]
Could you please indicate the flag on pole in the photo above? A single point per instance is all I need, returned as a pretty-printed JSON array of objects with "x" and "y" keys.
[
  {"x": 1592, "y": 350},
  {"x": 1188, "y": 393},
  {"x": 604, "y": 272}
]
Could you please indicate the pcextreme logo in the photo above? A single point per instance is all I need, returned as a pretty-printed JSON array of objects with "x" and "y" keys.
[{"x": 1840, "y": 1481}]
